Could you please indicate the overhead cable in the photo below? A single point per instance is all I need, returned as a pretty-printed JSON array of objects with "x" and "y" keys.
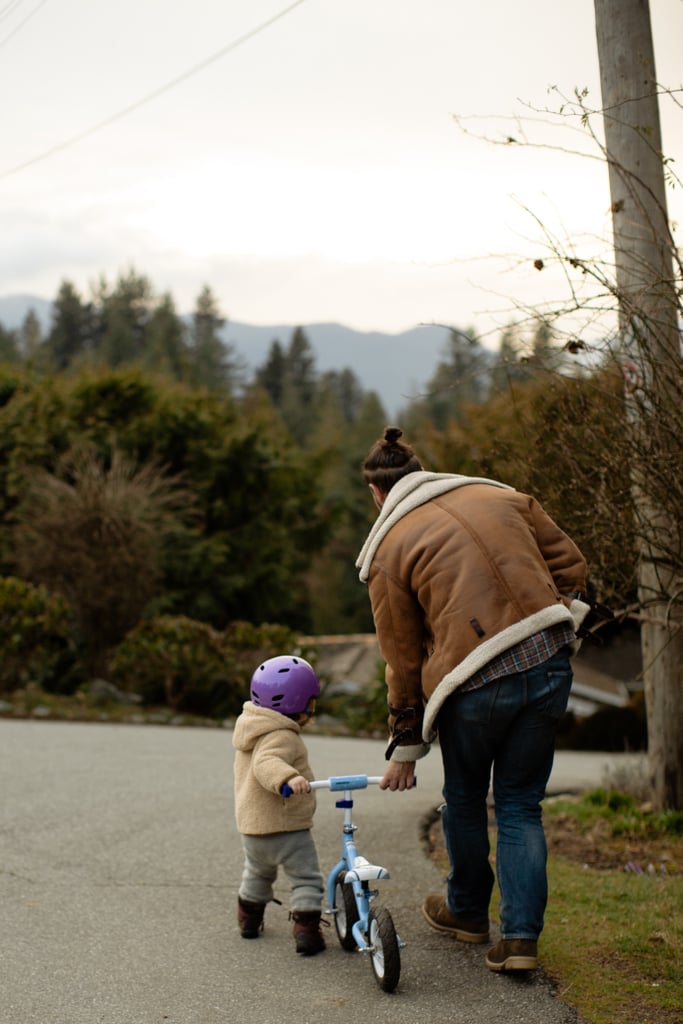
[
  {"x": 8, "y": 10},
  {"x": 152, "y": 95}
]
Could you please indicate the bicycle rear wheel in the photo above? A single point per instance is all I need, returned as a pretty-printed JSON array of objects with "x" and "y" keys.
[
  {"x": 346, "y": 912},
  {"x": 386, "y": 955}
]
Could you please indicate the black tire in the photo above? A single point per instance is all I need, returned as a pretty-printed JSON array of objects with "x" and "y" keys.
[
  {"x": 386, "y": 958},
  {"x": 346, "y": 912}
]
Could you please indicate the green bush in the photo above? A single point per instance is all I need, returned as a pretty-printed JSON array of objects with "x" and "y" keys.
[
  {"x": 611, "y": 799},
  {"x": 250, "y": 645},
  {"x": 176, "y": 661},
  {"x": 35, "y": 635},
  {"x": 191, "y": 667}
]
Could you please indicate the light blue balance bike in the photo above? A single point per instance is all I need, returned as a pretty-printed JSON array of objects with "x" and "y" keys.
[{"x": 349, "y": 896}]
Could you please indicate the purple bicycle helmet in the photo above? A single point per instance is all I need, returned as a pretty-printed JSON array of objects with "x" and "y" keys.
[{"x": 285, "y": 684}]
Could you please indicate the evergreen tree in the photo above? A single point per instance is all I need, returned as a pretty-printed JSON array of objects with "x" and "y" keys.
[
  {"x": 345, "y": 389},
  {"x": 339, "y": 604},
  {"x": 125, "y": 312},
  {"x": 461, "y": 377},
  {"x": 9, "y": 349},
  {"x": 213, "y": 365},
  {"x": 299, "y": 388},
  {"x": 301, "y": 365},
  {"x": 508, "y": 368},
  {"x": 166, "y": 348},
  {"x": 30, "y": 336},
  {"x": 542, "y": 351},
  {"x": 71, "y": 332},
  {"x": 271, "y": 375}
]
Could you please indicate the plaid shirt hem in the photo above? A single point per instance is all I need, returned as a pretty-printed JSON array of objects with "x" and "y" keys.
[{"x": 522, "y": 656}]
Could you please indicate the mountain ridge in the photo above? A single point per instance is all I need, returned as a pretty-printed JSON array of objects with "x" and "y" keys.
[{"x": 395, "y": 365}]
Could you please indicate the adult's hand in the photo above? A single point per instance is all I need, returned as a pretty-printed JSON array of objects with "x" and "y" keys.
[{"x": 399, "y": 775}]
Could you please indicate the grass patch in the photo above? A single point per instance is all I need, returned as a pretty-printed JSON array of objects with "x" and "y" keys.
[
  {"x": 613, "y": 943},
  {"x": 620, "y": 812},
  {"x": 613, "y": 938}
]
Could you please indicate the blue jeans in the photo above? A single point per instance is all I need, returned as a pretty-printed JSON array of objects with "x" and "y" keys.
[{"x": 510, "y": 725}]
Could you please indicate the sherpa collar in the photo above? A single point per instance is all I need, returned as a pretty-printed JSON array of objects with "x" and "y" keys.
[{"x": 410, "y": 492}]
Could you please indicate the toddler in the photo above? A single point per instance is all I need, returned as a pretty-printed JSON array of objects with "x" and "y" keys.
[{"x": 269, "y": 752}]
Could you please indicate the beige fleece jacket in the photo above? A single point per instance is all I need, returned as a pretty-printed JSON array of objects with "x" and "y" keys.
[{"x": 269, "y": 751}]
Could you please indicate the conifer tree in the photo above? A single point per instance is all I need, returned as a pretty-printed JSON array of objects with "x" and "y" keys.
[
  {"x": 72, "y": 329},
  {"x": 212, "y": 361}
]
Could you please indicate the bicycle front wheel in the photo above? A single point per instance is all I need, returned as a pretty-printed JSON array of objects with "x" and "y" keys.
[
  {"x": 346, "y": 912},
  {"x": 386, "y": 955}
]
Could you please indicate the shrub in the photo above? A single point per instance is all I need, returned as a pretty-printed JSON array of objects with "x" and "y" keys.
[
  {"x": 176, "y": 661},
  {"x": 35, "y": 634},
  {"x": 250, "y": 645},
  {"x": 192, "y": 667},
  {"x": 95, "y": 531}
]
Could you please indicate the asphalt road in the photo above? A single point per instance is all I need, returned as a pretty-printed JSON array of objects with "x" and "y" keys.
[{"x": 119, "y": 869}]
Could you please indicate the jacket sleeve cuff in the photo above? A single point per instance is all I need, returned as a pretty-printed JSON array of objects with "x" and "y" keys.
[
  {"x": 413, "y": 752},
  {"x": 579, "y": 609}
]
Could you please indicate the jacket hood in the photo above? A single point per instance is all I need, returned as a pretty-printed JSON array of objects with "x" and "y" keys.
[
  {"x": 410, "y": 492},
  {"x": 254, "y": 722}
]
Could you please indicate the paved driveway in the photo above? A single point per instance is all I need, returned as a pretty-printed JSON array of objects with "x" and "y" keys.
[{"x": 119, "y": 868}]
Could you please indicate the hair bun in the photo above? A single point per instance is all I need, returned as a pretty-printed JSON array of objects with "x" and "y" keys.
[{"x": 392, "y": 434}]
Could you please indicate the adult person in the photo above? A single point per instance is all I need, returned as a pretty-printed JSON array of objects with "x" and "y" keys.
[{"x": 476, "y": 596}]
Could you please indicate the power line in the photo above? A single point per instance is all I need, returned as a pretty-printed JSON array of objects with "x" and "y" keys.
[
  {"x": 8, "y": 10},
  {"x": 152, "y": 95}
]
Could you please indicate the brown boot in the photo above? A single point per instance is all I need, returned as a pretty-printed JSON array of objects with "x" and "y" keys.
[
  {"x": 250, "y": 918},
  {"x": 439, "y": 915},
  {"x": 513, "y": 955},
  {"x": 307, "y": 932}
]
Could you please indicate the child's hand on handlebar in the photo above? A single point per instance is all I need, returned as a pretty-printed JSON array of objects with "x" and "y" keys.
[{"x": 299, "y": 785}]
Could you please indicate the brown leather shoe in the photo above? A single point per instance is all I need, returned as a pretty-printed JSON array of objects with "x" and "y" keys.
[
  {"x": 250, "y": 918},
  {"x": 513, "y": 955},
  {"x": 438, "y": 914},
  {"x": 307, "y": 932}
]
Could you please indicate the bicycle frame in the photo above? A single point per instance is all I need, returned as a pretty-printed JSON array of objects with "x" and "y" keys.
[
  {"x": 349, "y": 895},
  {"x": 358, "y": 871}
]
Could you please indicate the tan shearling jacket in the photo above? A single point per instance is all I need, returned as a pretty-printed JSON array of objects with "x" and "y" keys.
[
  {"x": 269, "y": 750},
  {"x": 460, "y": 569}
]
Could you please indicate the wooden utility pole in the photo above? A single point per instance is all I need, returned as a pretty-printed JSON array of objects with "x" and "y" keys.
[{"x": 651, "y": 357}]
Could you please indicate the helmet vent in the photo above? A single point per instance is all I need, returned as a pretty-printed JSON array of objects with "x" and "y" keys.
[{"x": 276, "y": 699}]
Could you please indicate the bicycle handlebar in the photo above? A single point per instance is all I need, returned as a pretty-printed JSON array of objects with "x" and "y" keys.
[{"x": 339, "y": 782}]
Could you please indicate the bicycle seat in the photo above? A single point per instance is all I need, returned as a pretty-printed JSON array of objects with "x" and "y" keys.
[{"x": 364, "y": 871}]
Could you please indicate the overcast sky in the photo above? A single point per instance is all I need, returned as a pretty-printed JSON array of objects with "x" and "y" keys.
[{"x": 314, "y": 170}]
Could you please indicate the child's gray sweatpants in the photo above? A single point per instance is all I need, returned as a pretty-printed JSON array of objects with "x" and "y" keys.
[{"x": 296, "y": 853}]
